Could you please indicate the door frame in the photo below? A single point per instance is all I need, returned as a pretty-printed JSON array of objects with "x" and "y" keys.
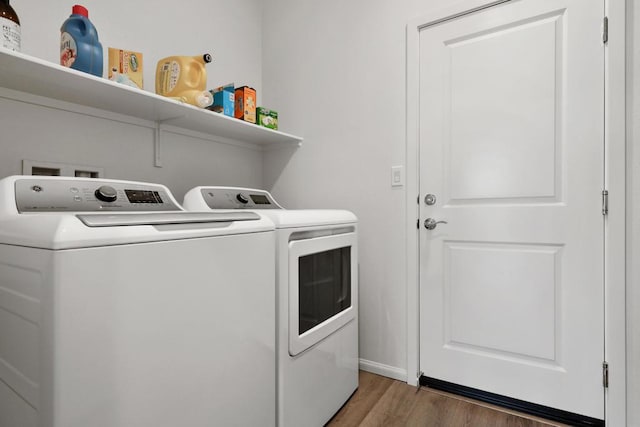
[{"x": 615, "y": 175}]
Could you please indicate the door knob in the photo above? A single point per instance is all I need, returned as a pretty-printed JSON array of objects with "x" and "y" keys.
[
  {"x": 431, "y": 223},
  {"x": 430, "y": 199}
]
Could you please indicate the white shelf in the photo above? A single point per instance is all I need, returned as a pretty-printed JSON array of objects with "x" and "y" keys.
[{"x": 32, "y": 75}]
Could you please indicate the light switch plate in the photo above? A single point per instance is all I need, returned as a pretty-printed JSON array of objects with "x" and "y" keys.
[{"x": 397, "y": 176}]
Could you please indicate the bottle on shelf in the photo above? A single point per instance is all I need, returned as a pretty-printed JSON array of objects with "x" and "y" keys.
[
  {"x": 10, "y": 27},
  {"x": 80, "y": 48},
  {"x": 184, "y": 78}
]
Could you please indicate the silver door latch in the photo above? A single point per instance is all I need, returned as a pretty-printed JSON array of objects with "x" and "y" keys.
[{"x": 431, "y": 223}]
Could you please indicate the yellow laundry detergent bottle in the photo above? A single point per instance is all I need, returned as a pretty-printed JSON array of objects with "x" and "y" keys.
[{"x": 184, "y": 78}]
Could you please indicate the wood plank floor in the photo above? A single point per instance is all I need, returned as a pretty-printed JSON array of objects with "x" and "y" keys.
[{"x": 381, "y": 401}]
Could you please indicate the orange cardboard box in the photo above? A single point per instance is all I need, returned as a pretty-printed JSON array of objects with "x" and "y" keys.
[
  {"x": 125, "y": 67},
  {"x": 245, "y": 108}
]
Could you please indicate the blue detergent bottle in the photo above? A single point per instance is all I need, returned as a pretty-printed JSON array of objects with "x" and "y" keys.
[{"x": 79, "y": 45}]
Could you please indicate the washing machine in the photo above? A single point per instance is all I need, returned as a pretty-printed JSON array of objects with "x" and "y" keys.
[
  {"x": 317, "y": 301},
  {"x": 120, "y": 309}
]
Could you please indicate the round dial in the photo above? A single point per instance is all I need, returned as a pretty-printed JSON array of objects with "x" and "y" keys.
[
  {"x": 242, "y": 198},
  {"x": 106, "y": 193}
]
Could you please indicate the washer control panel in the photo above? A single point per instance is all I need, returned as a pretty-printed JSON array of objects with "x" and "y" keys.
[
  {"x": 238, "y": 198},
  {"x": 90, "y": 195}
]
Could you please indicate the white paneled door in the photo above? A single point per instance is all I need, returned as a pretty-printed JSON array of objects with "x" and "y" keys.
[{"x": 511, "y": 150}]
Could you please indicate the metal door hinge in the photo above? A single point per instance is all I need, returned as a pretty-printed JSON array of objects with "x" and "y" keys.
[
  {"x": 605, "y": 202},
  {"x": 418, "y": 223},
  {"x": 605, "y": 374},
  {"x": 605, "y": 30}
]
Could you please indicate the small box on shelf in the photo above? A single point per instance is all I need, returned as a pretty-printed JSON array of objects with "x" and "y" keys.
[
  {"x": 267, "y": 118},
  {"x": 223, "y": 100},
  {"x": 125, "y": 67},
  {"x": 245, "y": 104}
]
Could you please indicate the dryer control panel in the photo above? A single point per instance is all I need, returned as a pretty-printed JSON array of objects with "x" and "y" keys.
[
  {"x": 238, "y": 198},
  {"x": 91, "y": 195}
]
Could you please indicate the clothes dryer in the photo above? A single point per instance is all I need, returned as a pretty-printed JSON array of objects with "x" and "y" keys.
[
  {"x": 317, "y": 301},
  {"x": 120, "y": 309}
]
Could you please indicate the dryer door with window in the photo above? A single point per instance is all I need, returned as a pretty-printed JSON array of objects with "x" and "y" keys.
[{"x": 322, "y": 284}]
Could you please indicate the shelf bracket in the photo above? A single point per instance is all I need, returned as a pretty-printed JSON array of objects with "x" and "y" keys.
[{"x": 157, "y": 140}]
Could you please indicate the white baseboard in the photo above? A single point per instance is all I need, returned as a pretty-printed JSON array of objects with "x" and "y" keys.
[{"x": 384, "y": 370}]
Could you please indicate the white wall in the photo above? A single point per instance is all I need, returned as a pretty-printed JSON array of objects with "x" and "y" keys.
[
  {"x": 335, "y": 71},
  {"x": 633, "y": 213},
  {"x": 230, "y": 31}
]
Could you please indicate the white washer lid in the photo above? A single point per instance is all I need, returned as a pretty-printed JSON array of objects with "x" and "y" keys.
[{"x": 67, "y": 228}]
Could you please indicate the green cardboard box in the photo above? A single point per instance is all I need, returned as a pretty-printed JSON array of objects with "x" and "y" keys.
[{"x": 267, "y": 118}]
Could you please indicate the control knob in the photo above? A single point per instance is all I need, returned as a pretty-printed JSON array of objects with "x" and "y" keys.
[
  {"x": 106, "y": 193},
  {"x": 242, "y": 198}
]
